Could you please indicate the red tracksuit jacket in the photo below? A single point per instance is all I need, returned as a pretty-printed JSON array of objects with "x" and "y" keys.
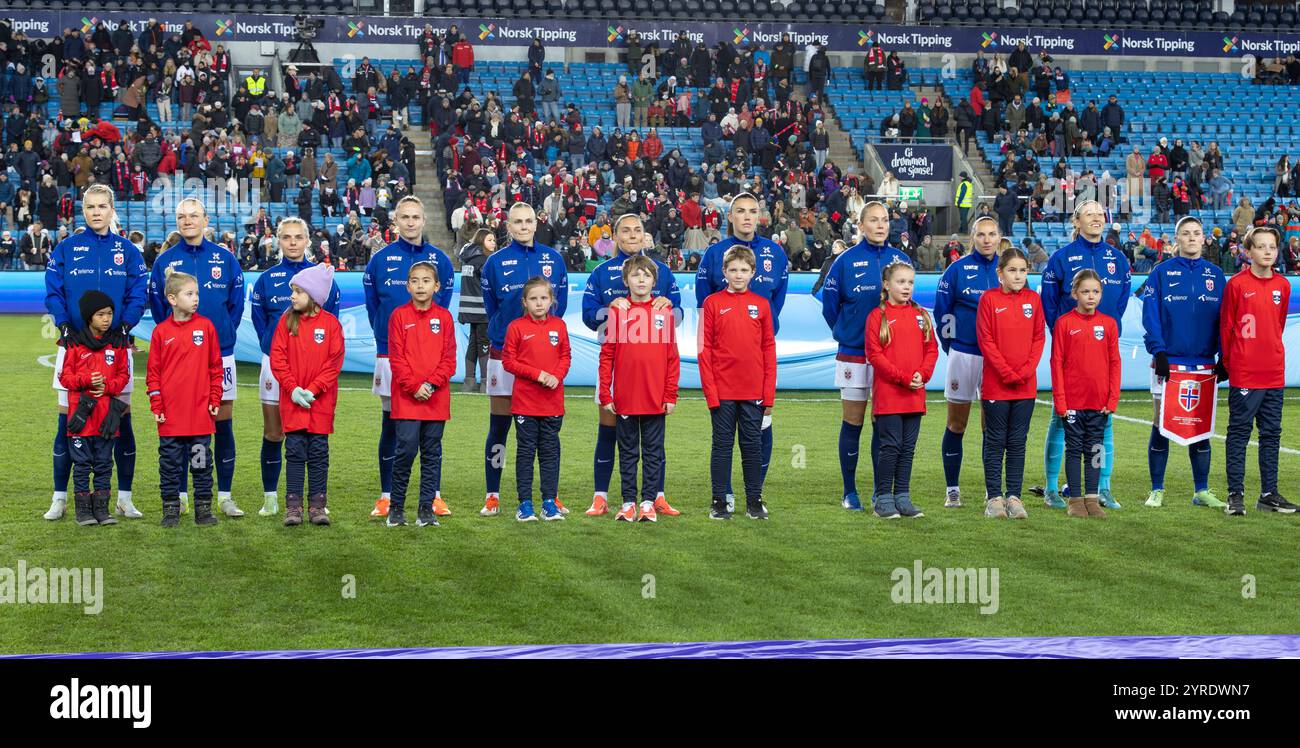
[
  {"x": 1085, "y": 362},
  {"x": 640, "y": 354},
  {"x": 1259, "y": 361},
  {"x": 312, "y": 360},
  {"x": 737, "y": 348},
  {"x": 421, "y": 348},
  {"x": 532, "y": 347},
  {"x": 893, "y": 364},
  {"x": 184, "y": 376},
  {"x": 1009, "y": 327},
  {"x": 79, "y": 363}
]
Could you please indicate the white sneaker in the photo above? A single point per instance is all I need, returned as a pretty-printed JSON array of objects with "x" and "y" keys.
[
  {"x": 229, "y": 508},
  {"x": 731, "y": 502},
  {"x": 270, "y": 505},
  {"x": 185, "y": 502},
  {"x": 57, "y": 508},
  {"x": 127, "y": 509}
]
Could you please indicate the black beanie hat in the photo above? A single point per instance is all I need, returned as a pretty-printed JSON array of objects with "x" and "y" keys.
[{"x": 92, "y": 301}]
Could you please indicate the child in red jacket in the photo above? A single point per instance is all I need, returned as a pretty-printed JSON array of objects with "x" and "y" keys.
[
  {"x": 306, "y": 357},
  {"x": 1251, "y": 322},
  {"x": 737, "y": 359},
  {"x": 184, "y": 383},
  {"x": 422, "y": 352},
  {"x": 902, "y": 351},
  {"x": 1085, "y": 386},
  {"x": 95, "y": 371},
  {"x": 640, "y": 353},
  {"x": 1009, "y": 327},
  {"x": 537, "y": 352}
]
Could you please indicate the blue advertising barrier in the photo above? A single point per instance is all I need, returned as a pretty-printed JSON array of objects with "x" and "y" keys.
[{"x": 805, "y": 350}]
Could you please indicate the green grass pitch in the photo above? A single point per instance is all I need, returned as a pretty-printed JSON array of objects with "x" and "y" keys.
[{"x": 812, "y": 571}]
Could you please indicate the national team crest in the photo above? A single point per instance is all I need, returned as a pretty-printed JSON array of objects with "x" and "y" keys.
[
  {"x": 318, "y": 335},
  {"x": 110, "y": 356},
  {"x": 435, "y": 325},
  {"x": 1110, "y": 268},
  {"x": 1189, "y": 394},
  {"x": 216, "y": 272},
  {"x": 1028, "y": 309},
  {"x": 1277, "y": 297},
  {"x": 546, "y": 271},
  {"x": 554, "y": 336},
  {"x": 659, "y": 323},
  {"x": 920, "y": 321},
  {"x": 753, "y": 311},
  {"x": 1098, "y": 332},
  {"x": 767, "y": 266},
  {"x": 198, "y": 337},
  {"x": 268, "y": 384},
  {"x": 118, "y": 258},
  {"x": 1209, "y": 284}
]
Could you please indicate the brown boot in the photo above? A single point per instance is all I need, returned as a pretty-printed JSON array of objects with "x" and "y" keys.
[
  {"x": 1076, "y": 508},
  {"x": 1093, "y": 506},
  {"x": 316, "y": 509},
  {"x": 292, "y": 510}
]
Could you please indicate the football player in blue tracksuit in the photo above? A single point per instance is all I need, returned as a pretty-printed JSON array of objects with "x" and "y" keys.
[
  {"x": 221, "y": 299},
  {"x": 771, "y": 277},
  {"x": 94, "y": 259},
  {"x": 271, "y": 296},
  {"x": 1088, "y": 250},
  {"x": 502, "y": 280},
  {"x": 851, "y": 290},
  {"x": 384, "y": 283},
  {"x": 956, "y": 299},
  {"x": 1180, "y": 313},
  {"x": 604, "y": 286}
]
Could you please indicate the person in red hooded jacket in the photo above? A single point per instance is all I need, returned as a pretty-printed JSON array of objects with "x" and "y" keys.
[
  {"x": 95, "y": 371},
  {"x": 902, "y": 351},
  {"x": 306, "y": 358},
  {"x": 422, "y": 352}
]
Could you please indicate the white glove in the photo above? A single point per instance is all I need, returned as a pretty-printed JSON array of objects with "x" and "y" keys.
[{"x": 301, "y": 397}]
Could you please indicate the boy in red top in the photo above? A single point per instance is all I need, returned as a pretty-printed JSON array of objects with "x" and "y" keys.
[
  {"x": 95, "y": 371},
  {"x": 902, "y": 351},
  {"x": 1085, "y": 386},
  {"x": 184, "y": 382},
  {"x": 640, "y": 352},
  {"x": 306, "y": 357},
  {"x": 737, "y": 359},
  {"x": 1250, "y": 331},
  {"x": 1009, "y": 326},
  {"x": 422, "y": 352},
  {"x": 537, "y": 352}
]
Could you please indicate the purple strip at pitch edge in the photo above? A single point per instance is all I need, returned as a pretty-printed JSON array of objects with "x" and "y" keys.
[{"x": 1063, "y": 647}]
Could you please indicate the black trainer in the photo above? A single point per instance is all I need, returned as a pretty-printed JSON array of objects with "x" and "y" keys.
[
  {"x": 171, "y": 514},
  {"x": 755, "y": 510},
  {"x": 1236, "y": 505},
  {"x": 719, "y": 510},
  {"x": 83, "y": 502},
  {"x": 396, "y": 516},
  {"x": 424, "y": 515},
  {"x": 1275, "y": 502},
  {"x": 203, "y": 511}
]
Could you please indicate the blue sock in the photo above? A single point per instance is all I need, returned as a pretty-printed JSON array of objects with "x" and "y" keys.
[
  {"x": 1053, "y": 454},
  {"x": 223, "y": 451},
  {"x": 850, "y": 441},
  {"x": 1107, "y": 466},
  {"x": 765, "y": 444},
  {"x": 387, "y": 452},
  {"x": 1158, "y": 458},
  {"x": 606, "y": 441},
  {"x": 271, "y": 464},
  {"x": 124, "y": 453},
  {"x": 952, "y": 457},
  {"x": 494, "y": 451},
  {"x": 62, "y": 460},
  {"x": 1200, "y": 454}
]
